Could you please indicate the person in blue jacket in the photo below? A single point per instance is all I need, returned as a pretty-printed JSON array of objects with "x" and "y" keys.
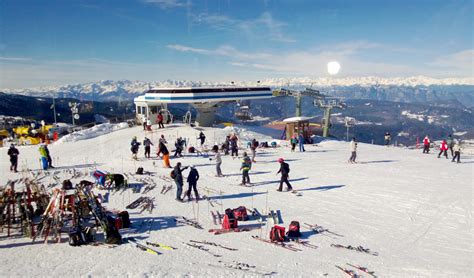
[{"x": 301, "y": 142}]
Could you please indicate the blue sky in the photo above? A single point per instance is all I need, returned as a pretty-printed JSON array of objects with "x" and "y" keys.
[{"x": 61, "y": 42}]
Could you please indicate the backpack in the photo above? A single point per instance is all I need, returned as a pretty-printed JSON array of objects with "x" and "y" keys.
[
  {"x": 125, "y": 219},
  {"x": 287, "y": 167},
  {"x": 140, "y": 171},
  {"x": 294, "y": 229},
  {"x": 67, "y": 184},
  {"x": 173, "y": 174},
  {"x": 229, "y": 221},
  {"x": 277, "y": 234},
  {"x": 240, "y": 213}
]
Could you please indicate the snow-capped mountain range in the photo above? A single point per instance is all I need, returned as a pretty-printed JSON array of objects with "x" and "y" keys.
[{"x": 109, "y": 89}]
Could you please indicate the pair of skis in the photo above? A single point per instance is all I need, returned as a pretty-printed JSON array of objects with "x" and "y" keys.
[
  {"x": 159, "y": 245},
  {"x": 217, "y": 217},
  {"x": 356, "y": 248},
  {"x": 142, "y": 247},
  {"x": 280, "y": 244},
  {"x": 317, "y": 229},
  {"x": 189, "y": 222},
  {"x": 214, "y": 244},
  {"x": 352, "y": 273},
  {"x": 225, "y": 231}
]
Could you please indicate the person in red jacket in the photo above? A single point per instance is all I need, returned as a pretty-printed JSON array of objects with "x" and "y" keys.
[
  {"x": 159, "y": 119},
  {"x": 426, "y": 144},
  {"x": 443, "y": 149}
]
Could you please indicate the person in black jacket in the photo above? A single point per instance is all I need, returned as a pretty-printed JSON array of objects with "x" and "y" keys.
[
  {"x": 50, "y": 161},
  {"x": 178, "y": 179},
  {"x": 285, "y": 171},
  {"x": 202, "y": 138},
  {"x": 13, "y": 153},
  {"x": 193, "y": 177}
]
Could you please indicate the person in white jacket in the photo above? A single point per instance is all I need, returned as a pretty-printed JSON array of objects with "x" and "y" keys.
[
  {"x": 457, "y": 152},
  {"x": 218, "y": 159},
  {"x": 353, "y": 147}
]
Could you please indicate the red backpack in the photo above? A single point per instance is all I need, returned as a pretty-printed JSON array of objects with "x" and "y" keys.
[
  {"x": 229, "y": 221},
  {"x": 294, "y": 229},
  {"x": 277, "y": 233},
  {"x": 240, "y": 213}
]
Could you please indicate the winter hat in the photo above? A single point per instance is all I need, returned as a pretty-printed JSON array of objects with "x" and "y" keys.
[
  {"x": 191, "y": 166},
  {"x": 280, "y": 160}
]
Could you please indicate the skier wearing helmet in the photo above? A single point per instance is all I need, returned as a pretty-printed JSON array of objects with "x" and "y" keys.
[{"x": 285, "y": 171}]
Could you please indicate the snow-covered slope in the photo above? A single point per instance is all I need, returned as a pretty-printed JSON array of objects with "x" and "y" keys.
[{"x": 414, "y": 210}]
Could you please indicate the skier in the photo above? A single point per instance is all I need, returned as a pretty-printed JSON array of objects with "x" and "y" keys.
[
  {"x": 202, "y": 137},
  {"x": 284, "y": 170},
  {"x": 293, "y": 142},
  {"x": 233, "y": 146},
  {"x": 159, "y": 119},
  {"x": 253, "y": 148},
  {"x": 245, "y": 168},
  {"x": 443, "y": 149},
  {"x": 192, "y": 179},
  {"x": 450, "y": 143},
  {"x": 426, "y": 144},
  {"x": 148, "y": 124},
  {"x": 387, "y": 138},
  {"x": 147, "y": 143},
  {"x": 457, "y": 152},
  {"x": 353, "y": 147},
  {"x": 13, "y": 153},
  {"x": 44, "y": 157},
  {"x": 135, "y": 145},
  {"x": 218, "y": 159},
  {"x": 179, "y": 147},
  {"x": 178, "y": 179},
  {"x": 144, "y": 120},
  {"x": 301, "y": 142},
  {"x": 48, "y": 157},
  {"x": 166, "y": 155}
]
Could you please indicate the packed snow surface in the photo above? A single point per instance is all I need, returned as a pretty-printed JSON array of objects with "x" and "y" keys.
[{"x": 415, "y": 210}]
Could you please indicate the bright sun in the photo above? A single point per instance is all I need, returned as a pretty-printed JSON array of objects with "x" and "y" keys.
[{"x": 333, "y": 67}]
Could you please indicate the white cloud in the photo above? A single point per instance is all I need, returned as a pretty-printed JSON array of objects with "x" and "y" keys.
[
  {"x": 264, "y": 26},
  {"x": 167, "y": 4},
  {"x": 461, "y": 61},
  {"x": 14, "y": 59}
]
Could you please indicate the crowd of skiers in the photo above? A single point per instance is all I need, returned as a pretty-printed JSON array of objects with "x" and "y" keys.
[{"x": 454, "y": 146}]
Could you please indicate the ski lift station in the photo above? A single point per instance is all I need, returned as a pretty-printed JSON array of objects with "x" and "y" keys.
[{"x": 205, "y": 100}]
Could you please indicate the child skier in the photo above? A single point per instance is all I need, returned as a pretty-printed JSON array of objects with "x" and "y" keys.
[
  {"x": 293, "y": 142},
  {"x": 426, "y": 144},
  {"x": 285, "y": 171},
  {"x": 202, "y": 138},
  {"x": 457, "y": 152},
  {"x": 245, "y": 168},
  {"x": 218, "y": 159},
  {"x": 443, "y": 149}
]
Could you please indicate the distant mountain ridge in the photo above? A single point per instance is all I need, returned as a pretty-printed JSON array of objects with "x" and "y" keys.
[{"x": 410, "y": 89}]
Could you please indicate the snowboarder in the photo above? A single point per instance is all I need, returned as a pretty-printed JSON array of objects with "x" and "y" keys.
[
  {"x": 426, "y": 144},
  {"x": 253, "y": 148},
  {"x": 192, "y": 179},
  {"x": 285, "y": 171},
  {"x": 387, "y": 138},
  {"x": 159, "y": 119},
  {"x": 13, "y": 153},
  {"x": 147, "y": 143},
  {"x": 233, "y": 146},
  {"x": 160, "y": 141},
  {"x": 245, "y": 168},
  {"x": 293, "y": 142},
  {"x": 353, "y": 147},
  {"x": 48, "y": 157},
  {"x": 202, "y": 137},
  {"x": 178, "y": 179},
  {"x": 166, "y": 155},
  {"x": 301, "y": 142},
  {"x": 135, "y": 145},
  {"x": 457, "y": 152},
  {"x": 450, "y": 143},
  {"x": 218, "y": 159},
  {"x": 443, "y": 149}
]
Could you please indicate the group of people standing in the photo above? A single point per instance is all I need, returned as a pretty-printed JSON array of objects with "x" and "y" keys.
[
  {"x": 446, "y": 144},
  {"x": 147, "y": 122}
]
